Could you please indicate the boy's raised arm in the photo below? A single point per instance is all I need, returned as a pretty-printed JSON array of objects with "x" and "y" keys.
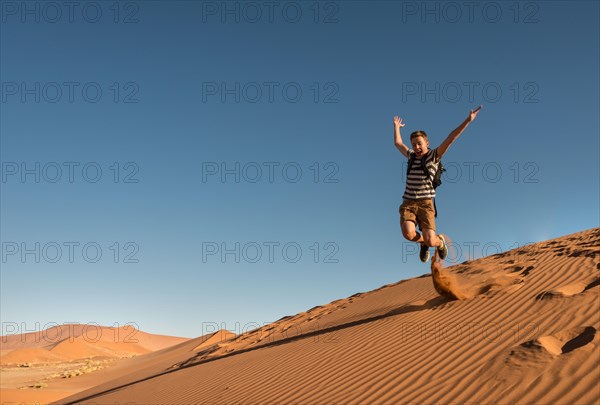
[
  {"x": 398, "y": 138},
  {"x": 456, "y": 133}
]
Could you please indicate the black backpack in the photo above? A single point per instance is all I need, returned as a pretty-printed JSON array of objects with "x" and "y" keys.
[{"x": 436, "y": 181}]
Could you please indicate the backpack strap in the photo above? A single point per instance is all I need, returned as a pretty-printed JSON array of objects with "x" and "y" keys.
[
  {"x": 433, "y": 178},
  {"x": 424, "y": 164},
  {"x": 411, "y": 160},
  {"x": 424, "y": 168}
]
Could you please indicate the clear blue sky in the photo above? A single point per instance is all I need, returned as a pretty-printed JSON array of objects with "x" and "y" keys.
[{"x": 161, "y": 97}]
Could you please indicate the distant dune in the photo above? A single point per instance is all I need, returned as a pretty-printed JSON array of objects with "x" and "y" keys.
[
  {"x": 77, "y": 341},
  {"x": 43, "y": 366},
  {"x": 525, "y": 330}
]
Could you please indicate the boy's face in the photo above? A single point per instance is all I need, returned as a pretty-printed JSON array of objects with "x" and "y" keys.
[{"x": 419, "y": 145}]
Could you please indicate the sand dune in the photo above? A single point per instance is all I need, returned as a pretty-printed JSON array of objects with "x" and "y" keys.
[
  {"x": 30, "y": 355},
  {"x": 44, "y": 366},
  {"x": 525, "y": 331},
  {"x": 125, "y": 370},
  {"x": 76, "y": 341},
  {"x": 79, "y": 348}
]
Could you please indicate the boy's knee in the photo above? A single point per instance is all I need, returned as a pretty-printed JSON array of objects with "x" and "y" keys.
[{"x": 409, "y": 234}]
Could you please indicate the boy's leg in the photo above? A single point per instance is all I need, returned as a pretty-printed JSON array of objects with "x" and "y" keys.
[
  {"x": 437, "y": 241},
  {"x": 426, "y": 219},
  {"x": 408, "y": 218},
  {"x": 430, "y": 238},
  {"x": 408, "y": 221},
  {"x": 409, "y": 231}
]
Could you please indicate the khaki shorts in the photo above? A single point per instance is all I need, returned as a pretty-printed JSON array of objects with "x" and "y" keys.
[{"x": 420, "y": 212}]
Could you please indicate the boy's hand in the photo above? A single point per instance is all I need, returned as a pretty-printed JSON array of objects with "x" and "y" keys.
[
  {"x": 398, "y": 122},
  {"x": 474, "y": 113}
]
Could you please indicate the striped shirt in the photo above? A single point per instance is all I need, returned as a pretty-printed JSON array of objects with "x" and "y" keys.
[{"x": 418, "y": 184}]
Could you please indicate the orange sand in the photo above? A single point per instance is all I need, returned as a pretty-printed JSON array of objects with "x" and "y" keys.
[{"x": 524, "y": 330}]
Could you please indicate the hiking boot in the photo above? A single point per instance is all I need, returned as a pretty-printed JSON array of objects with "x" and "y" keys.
[
  {"x": 424, "y": 253},
  {"x": 442, "y": 250}
]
